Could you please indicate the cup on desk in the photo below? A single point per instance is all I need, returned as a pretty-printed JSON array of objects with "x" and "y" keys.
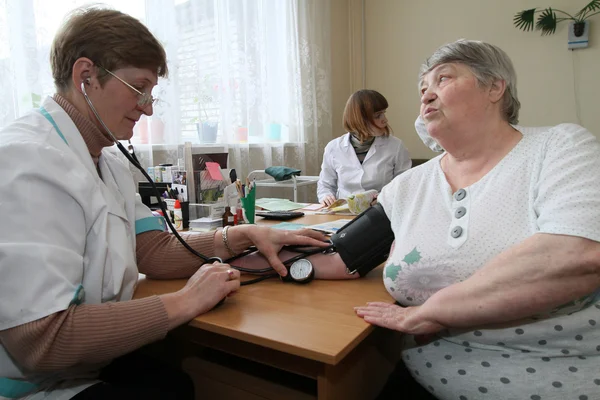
[{"x": 249, "y": 206}]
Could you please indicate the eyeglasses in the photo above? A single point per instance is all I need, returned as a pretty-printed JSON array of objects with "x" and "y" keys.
[{"x": 144, "y": 99}]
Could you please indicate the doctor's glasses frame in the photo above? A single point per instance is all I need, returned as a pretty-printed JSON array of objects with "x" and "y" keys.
[{"x": 144, "y": 99}]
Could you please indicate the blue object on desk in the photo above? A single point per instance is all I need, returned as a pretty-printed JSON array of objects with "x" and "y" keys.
[{"x": 288, "y": 226}]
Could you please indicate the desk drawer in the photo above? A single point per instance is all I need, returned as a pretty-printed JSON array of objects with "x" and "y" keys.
[{"x": 221, "y": 376}]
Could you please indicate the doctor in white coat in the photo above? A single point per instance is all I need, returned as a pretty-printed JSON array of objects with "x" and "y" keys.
[
  {"x": 75, "y": 234},
  {"x": 365, "y": 158}
]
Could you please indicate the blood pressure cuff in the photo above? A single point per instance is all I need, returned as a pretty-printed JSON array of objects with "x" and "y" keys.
[{"x": 365, "y": 242}]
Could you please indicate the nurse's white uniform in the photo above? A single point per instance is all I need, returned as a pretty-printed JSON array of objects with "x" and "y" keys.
[
  {"x": 342, "y": 174},
  {"x": 66, "y": 236}
]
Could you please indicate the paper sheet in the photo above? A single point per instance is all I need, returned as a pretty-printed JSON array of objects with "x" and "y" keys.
[
  {"x": 278, "y": 204},
  {"x": 214, "y": 170},
  {"x": 331, "y": 226},
  {"x": 288, "y": 226},
  {"x": 313, "y": 207}
]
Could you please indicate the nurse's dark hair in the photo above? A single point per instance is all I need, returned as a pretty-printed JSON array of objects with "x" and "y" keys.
[
  {"x": 109, "y": 38},
  {"x": 360, "y": 111}
]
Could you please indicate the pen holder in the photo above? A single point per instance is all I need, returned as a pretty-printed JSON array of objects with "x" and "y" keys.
[
  {"x": 185, "y": 212},
  {"x": 249, "y": 206}
]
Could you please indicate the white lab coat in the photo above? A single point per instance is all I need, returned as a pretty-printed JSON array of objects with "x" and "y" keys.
[
  {"x": 66, "y": 236},
  {"x": 342, "y": 174}
]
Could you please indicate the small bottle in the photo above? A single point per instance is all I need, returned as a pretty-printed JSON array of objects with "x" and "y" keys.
[
  {"x": 177, "y": 216},
  {"x": 240, "y": 215},
  {"x": 235, "y": 217},
  {"x": 228, "y": 217}
]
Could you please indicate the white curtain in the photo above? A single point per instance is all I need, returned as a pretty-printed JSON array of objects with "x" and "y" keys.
[
  {"x": 27, "y": 28},
  {"x": 249, "y": 77}
]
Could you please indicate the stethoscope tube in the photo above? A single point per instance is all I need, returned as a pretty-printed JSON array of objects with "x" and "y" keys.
[{"x": 154, "y": 188}]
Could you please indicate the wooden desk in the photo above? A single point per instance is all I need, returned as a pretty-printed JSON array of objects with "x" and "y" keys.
[{"x": 310, "y": 330}]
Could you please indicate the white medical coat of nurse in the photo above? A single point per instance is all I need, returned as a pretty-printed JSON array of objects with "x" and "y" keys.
[
  {"x": 342, "y": 174},
  {"x": 66, "y": 235}
]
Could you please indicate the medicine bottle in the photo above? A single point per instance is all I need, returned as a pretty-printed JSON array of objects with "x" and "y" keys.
[{"x": 228, "y": 217}]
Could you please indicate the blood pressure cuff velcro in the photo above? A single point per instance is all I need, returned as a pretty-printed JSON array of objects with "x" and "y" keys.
[{"x": 365, "y": 242}]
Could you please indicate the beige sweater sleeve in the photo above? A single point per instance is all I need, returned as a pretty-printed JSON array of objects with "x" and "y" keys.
[
  {"x": 161, "y": 256},
  {"x": 89, "y": 333}
]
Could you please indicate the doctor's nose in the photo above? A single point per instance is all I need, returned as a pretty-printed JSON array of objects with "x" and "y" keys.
[{"x": 148, "y": 110}]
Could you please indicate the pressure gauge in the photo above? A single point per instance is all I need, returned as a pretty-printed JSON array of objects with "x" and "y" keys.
[{"x": 301, "y": 271}]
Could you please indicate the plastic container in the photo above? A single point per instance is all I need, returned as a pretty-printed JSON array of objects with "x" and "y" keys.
[{"x": 177, "y": 216}]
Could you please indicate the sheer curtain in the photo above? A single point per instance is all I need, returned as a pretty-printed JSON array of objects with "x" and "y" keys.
[
  {"x": 251, "y": 77},
  {"x": 27, "y": 28}
]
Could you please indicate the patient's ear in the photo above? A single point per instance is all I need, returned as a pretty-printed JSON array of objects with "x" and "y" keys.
[{"x": 497, "y": 89}]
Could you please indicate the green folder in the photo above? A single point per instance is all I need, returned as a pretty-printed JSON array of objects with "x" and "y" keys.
[{"x": 249, "y": 205}]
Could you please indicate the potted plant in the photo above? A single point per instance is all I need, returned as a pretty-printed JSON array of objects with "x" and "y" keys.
[
  {"x": 206, "y": 126},
  {"x": 547, "y": 19}
]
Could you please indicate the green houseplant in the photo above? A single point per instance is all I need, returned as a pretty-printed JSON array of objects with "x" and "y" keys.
[{"x": 547, "y": 19}]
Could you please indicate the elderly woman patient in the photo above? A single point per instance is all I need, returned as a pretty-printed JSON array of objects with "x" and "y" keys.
[{"x": 496, "y": 260}]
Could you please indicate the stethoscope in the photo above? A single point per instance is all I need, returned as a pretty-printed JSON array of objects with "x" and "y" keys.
[{"x": 130, "y": 155}]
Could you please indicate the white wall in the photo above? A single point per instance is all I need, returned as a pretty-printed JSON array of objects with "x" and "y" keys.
[
  {"x": 341, "y": 86},
  {"x": 400, "y": 34}
]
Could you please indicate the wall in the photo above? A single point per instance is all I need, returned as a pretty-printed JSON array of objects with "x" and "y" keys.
[
  {"x": 400, "y": 34},
  {"x": 341, "y": 87}
]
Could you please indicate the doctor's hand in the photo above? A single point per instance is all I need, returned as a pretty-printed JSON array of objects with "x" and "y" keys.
[
  {"x": 328, "y": 200},
  {"x": 207, "y": 287},
  {"x": 270, "y": 241},
  {"x": 402, "y": 319}
]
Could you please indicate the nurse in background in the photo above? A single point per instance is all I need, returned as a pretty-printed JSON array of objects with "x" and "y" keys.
[{"x": 365, "y": 158}]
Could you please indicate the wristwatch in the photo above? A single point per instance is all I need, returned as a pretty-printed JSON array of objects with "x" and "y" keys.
[{"x": 301, "y": 271}]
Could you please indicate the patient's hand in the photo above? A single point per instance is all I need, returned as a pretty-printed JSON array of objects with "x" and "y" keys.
[{"x": 402, "y": 319}]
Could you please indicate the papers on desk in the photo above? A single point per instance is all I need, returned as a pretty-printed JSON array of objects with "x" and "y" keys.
[
  {"x": 313, "y": 207},
  {"x": 278, "y": 204},
  {"x": 288, "y": 226},
  {"x": 339, "y": 210},
  {"x": 330, "y": 227},
  {"x": 205, "y": 224}
]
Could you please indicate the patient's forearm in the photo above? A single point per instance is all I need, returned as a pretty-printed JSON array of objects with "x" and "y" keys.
[
  {"x": 327, "y": 266},
  {"x": 535, "y": 276}
]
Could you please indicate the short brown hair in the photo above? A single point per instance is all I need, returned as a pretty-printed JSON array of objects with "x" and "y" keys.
[
  {"x": 360, "y": 112},
  {"x": 110, "y": 39}
]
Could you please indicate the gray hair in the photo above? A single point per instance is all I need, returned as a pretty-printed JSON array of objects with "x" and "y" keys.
[{"x": 487, "y": 62}]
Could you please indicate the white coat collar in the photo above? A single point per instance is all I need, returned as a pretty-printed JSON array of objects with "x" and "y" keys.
[
  {"x": 71, "y": 133},
  {"x": 378, "y": 142},
  {"x": 78, "y": 147}
]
